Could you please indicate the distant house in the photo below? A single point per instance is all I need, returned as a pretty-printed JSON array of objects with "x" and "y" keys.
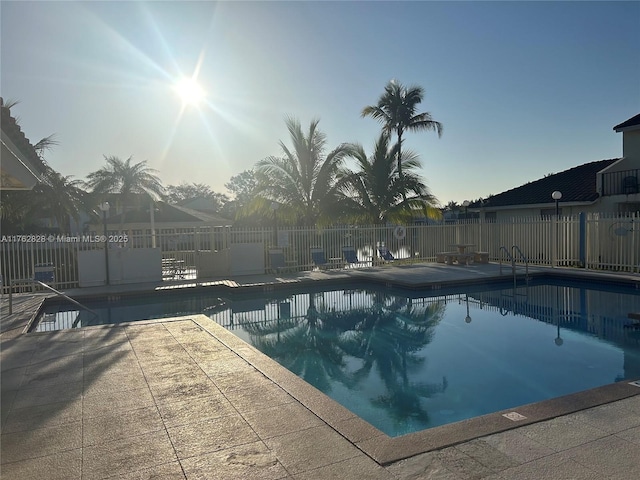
[
  {"x": 21, "y": 168},
  {"x": 604, "y": 186}
]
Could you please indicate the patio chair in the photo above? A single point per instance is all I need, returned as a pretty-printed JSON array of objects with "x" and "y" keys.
[
  {"x": 350, "y": 255},
  {"x": 385, "y": 254},
  {"x": 318, "y": 258}
]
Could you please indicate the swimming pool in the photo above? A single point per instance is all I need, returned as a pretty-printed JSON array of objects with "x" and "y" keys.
[{"x": 406, "y": 361}]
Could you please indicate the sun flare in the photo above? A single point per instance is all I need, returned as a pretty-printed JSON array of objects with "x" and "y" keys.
[{"x": 189, "y": 91}]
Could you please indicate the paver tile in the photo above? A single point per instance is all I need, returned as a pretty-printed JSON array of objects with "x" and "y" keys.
[
  {"x": 252, "y": 461},
  {"x": 43, "y": 416},
  {"x": 116, "y": 425},
  {"x": 249, "y": 399},
  {"x": 40, "y": 442},
  {"x": 281, "y": 420},
  {"x": 60, "y": 466},
  {"x": 96, "y": 403},
  {"x": 211, "y": 435},
  {"x": 61, "y": 392},
  {"x": 130, "y": 454},
  {"x": 562, "y": 433},
  {"x": 554, "y": 467},
  {"x": 609, "y": 455},
  {"x": 611, "y": 417},
  {"x": 311, "y": 449},
  {"x": 360, "y": 467},
  {"x": 517, "y": 446},
  {"x": 195, "y": 410}
]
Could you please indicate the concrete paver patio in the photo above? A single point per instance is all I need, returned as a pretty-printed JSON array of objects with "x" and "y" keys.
[{"x": 183, "y": 398}]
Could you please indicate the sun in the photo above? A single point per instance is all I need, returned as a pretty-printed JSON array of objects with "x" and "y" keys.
[{"x": 189, "y": 91}]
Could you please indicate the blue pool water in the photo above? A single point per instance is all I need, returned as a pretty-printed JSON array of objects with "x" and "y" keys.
[{"x": 406, "y": 361}]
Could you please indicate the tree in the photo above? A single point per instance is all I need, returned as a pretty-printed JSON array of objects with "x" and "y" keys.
[
  {"x": 126, "y": 179},
  {"x": 184, "y": 191},
  {"x": 303, "y": 182},
  {"x": 60, "y": 197},
  {"x": 396, "y": 110},
  {"x": 242, "y": 186},
  {"x": 377, "y": 194}
]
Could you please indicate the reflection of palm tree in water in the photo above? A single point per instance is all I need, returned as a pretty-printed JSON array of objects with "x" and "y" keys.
[
  {"x": 386, "y": 336},
  {"x": 388, "y": 339},
  {"x": 309, "y": 346}
]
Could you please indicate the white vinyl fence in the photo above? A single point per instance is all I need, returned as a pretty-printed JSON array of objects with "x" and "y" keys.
[{"x": 592, "y": 241}]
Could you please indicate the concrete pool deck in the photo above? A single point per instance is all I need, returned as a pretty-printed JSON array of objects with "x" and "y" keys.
[{"x": 184, "y": 398}]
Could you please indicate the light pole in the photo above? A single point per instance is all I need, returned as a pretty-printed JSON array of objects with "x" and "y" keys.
[
  {"x": 274, "y": 208},
  {"x": 556, "y": 195},
  {"x": 105, "y": 208},
  {"x": 465, "y": 204}
]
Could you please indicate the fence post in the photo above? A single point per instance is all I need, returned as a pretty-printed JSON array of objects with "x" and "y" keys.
[{"x": 583, "y": 239}]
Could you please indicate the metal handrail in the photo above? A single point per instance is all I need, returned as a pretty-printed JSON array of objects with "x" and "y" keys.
[
  {"x": 511, "y": 256},
  {"x": 42, "y": 284}
]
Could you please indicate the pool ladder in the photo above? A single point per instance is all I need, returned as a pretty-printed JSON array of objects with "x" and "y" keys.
[{"x": 511, "y": 256}]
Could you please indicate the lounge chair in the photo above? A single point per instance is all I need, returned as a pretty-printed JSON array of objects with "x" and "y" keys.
[
  {"x": 318, "y": 257},
  {"x": 385, "y": 254},
  {"x": 350, "y": 255}
]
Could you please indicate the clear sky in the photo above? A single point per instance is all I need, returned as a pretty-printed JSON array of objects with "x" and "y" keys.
[{"x": 523, "y": 89}]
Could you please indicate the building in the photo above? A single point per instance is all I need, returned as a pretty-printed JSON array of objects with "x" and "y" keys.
[
  {"x": 604, "y": 186},
  {"x": 21, "y": 168}
]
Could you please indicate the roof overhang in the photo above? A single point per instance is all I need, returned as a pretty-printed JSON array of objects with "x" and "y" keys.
[
  {"x": 16, "y": 171},
  {"x": 531, "y": 206}
]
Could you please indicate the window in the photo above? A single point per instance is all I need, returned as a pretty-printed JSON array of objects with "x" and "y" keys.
[{"x": 490, "y": 217}]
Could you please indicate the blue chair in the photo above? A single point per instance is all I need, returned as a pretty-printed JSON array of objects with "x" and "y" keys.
[
  {"x": 350, "y": 255},
  {"x": 385, "y": 254},
  {"x": 318, "y": 257}
]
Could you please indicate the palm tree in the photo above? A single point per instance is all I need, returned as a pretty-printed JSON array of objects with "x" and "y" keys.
[
  {"x": 125, "y": 178},
  {"x": 396, "y": 110},
  {"x": 303, "y": 182},
  {"x": 376, "y": 194},
  {"x": 60, "y": 197}
]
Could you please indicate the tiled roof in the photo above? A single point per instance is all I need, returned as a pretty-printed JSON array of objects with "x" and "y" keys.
[
  {"x": 632, "y": 122},
  {"x": 165, "y": 213},
  {"x": 578, "y": 184},
  {"x": 11, "y": 128}
]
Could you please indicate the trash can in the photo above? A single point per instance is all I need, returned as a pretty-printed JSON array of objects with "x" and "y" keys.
[{"x": 43, "y": 272}]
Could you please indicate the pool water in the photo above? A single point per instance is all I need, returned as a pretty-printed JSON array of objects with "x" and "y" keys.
[{"x": 407, "y": 361}]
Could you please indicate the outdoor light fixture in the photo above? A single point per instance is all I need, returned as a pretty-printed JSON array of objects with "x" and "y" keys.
[
  {"x": 105, "y": 208},
  {"x": 465, "y": 204},
  {"x": 557, "y": 195}
]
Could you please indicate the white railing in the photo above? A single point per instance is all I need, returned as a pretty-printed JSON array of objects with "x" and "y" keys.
[{"x": 592, "y": 241}]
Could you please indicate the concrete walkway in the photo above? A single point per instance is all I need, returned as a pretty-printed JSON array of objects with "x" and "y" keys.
[{"x": 184, "y": 398}]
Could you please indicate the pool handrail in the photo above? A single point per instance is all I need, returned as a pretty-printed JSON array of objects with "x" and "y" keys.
[{"x": 42, "y": 284}]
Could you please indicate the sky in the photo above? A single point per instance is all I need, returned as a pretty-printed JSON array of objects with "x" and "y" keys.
[{"x": 523, "y": 89}]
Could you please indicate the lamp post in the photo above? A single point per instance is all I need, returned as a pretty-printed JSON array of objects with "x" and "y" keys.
[
  {"x": 105, "y": 208},
  {"x": 465, "y": 204},
  {"x": 556, "y": 195},
  {"x": 274, "y": 208}
]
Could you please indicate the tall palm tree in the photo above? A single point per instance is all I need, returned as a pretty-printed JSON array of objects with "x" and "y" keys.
[
  {"x": 125, "y": 178},
  {"x": 304, "y": 182},
  {"x": 396, "y": 110},
  {"x": 377, "y": 195}
]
